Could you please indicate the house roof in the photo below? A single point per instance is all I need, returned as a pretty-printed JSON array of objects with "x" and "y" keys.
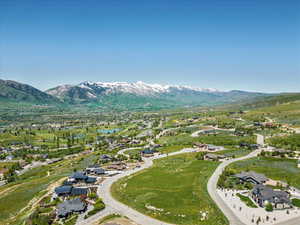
[
  {"x": 93, "y": 166},
  {"x": 266, "y": 193},
  {"x": 79, "y": 176},
  {"x": 215, "y": 156},
  {"x": 259, "y": 178},
  {"x": 67, "y": 183},
  {"x": 99, "y": 171},
  {"x": 105, "y": 157},
  {"x": 66, "y": 189},
  {"x": 79, "y": 191},
  {"x": 70, "y": 206},
  {"x": 91, "y": 180},
  {"x": 148, "y": 151}
]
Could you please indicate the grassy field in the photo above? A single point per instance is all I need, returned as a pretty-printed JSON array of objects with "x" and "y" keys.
[
  {"x": 283, "y": 113},
  {"x": 32, "y": 185},
  {"x": 173, "y": 190},
  {"x": 234, "y": 152},
  {"x": 177, "y": 142},
  {"x": 278, "y": 169}
]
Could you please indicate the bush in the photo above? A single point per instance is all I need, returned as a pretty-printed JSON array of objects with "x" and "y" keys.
[
  {"x": 200, "y": 156},
  {"x": 296, "y": 202},
  {"x": 93, "y": 196},
  {"x": 99, "y": 205},
  {"x": 269, "y": 207}
]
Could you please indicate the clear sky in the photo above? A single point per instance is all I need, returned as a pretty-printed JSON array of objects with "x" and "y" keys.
[{"x": 224, "y": 44}]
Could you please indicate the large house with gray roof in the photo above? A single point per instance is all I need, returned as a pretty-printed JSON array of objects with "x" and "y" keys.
[
  {"x": 67, "y": 190},
  {"x": 70, "y": 206},
  {"x": 252, "y": 177},
  {"x": 264, "y": 195}
]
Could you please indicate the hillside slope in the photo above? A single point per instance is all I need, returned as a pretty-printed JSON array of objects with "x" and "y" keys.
[{"x": 12, "y": 91}]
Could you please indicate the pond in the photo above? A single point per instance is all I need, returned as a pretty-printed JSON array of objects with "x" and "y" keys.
[{"x": 109, "y": 131}]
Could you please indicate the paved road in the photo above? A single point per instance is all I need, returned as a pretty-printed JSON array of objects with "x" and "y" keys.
[
  {"x": 196, "y": 133},
  {"x": 212, "y": 188},
  {"x": 295, "y": 221},
  {"x": 114, "y": 206},
  {"x": 212, "y": 184}
]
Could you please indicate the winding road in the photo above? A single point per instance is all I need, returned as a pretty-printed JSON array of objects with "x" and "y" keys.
[
  {"x": 115, "y": 207},
  {"x": 212, "y": 188}
]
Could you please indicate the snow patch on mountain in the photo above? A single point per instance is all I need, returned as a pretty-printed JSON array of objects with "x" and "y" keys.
[{"x": 141, "y": 88}]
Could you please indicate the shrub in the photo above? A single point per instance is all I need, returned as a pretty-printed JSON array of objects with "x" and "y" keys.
[
  {"x": 296, "y": 202},
  {"x": 93, "y": 196},
  {"x": 269, "y": 207},
  {"x": 99, "y": 205}
]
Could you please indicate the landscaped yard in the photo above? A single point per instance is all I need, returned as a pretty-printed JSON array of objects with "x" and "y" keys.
[
  {"x": 173, "y": 190},
  {"x": 247, "y": 201},
  {"x": 275, "y": 168}
]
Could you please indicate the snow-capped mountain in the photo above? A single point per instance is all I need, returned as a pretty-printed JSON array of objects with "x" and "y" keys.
[
  {"x": 140, "y": 94},
  {"x": 91, "y": 89}
]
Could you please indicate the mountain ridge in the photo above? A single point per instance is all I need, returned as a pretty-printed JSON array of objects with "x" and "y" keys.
[
  {"x": 104, "y": 93},
  {"x": 124, "y": 95},
  {"x": 15, "y": 91}
]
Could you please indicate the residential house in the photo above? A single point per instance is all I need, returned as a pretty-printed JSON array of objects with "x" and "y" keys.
[
  {"x": 67, "y": 190},
  {"x": 117, "y": 166},
  {"x": 95, "y": 170},
  {"x": 200, "y": 146},
  {"x": 214, "y": 157},
  {"x": 148, "y": 152},
  {"x": 105, "y": 158},
  {"x": 80, "y": 177},
  {"x": 214, "y": 148},
  {"x": 64, "y": 190},
  {"x": 252, "y": 177},
  {"x": 69, "y": 207},
  {"x": 264, "y": 195}
]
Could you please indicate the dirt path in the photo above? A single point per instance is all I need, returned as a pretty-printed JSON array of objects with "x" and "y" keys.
[{"x": 35, "y": 201}]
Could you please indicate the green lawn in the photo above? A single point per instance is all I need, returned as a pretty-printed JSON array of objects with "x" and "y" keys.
[
  {"x": 247, "y": 201},
  {"x": 176, "y": 187},
  {"x": 275, "y": 168}
]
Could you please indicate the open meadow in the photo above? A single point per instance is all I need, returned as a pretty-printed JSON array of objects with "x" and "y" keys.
[{"x": 174, "y": 190}]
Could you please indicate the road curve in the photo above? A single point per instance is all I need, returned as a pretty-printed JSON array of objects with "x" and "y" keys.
[
  {"x": 114, "y": 206},
  {"x": 212, "y": 188}
]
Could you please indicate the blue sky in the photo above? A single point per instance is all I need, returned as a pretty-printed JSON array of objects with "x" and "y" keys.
[{"x": 225, "y": 44}]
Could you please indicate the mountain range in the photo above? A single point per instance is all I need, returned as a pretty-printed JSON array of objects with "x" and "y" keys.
[{"x": 123, "y": 95}]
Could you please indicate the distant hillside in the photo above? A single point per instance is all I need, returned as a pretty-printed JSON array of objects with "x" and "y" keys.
[
  {"x": 143, "y": 96},
  {"x": 124, "y": 96},
  {"x": 266, "y": 101},
  {"x": 12, "y": 91}
]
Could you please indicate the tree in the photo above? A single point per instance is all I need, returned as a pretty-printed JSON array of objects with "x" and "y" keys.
[{"x": 200, "y": 156}]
